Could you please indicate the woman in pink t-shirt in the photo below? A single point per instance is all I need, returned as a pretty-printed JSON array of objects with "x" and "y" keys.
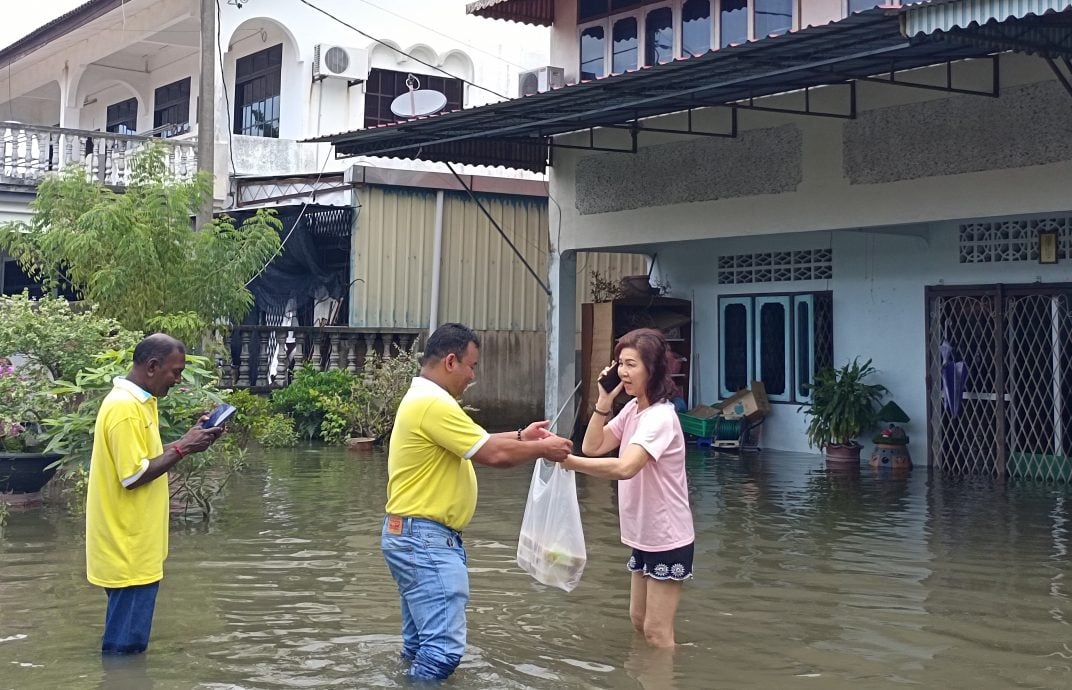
[{"x": 653, "y": 497}]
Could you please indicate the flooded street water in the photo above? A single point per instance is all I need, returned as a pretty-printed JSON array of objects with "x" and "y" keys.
[{"x": 805, "y": 579}]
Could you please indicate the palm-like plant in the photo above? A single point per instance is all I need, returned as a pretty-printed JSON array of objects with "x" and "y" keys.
[{"x": 843, "y": 405}]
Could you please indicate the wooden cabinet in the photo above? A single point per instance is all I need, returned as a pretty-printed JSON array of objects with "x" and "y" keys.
[{"x": 604, "y": 322}]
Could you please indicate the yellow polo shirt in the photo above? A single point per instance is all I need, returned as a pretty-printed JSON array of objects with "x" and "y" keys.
[
  {"x": 430, "y": 473},
  {"x": 126, "y": 529}
]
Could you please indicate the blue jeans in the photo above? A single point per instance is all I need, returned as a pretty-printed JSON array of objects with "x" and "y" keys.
[
  {"x": 129, "y": 619},
  {"x": 427, "y": 561}
]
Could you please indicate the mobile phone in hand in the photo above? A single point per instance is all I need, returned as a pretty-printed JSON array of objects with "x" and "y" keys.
[
  {"x": 219, "y": 416},
  {"x": 611, "y": 380}
]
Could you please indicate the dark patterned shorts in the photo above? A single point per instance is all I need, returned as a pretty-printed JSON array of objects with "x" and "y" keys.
[{"x": 675, "y": 564}]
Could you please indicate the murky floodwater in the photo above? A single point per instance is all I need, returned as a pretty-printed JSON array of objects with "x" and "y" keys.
[{"x": 806, "y": 579}]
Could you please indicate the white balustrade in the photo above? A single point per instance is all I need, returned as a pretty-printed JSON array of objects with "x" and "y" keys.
[{"x": 30, "y": 152}]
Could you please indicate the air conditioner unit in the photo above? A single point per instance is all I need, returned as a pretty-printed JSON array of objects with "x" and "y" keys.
[
  {"x": 341, "y": 62},
  {"x": 540, "y": 80}
]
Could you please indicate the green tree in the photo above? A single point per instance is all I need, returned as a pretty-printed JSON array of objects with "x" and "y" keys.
[{"x": 133, "y": 253}]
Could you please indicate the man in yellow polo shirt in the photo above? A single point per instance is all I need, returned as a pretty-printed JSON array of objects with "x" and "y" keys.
[
  {"x": 127, "y": 503},
  {"x": 431, "y": 496}
]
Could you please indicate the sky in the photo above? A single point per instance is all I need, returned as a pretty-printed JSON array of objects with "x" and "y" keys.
[{"x": 18, "y": 21}]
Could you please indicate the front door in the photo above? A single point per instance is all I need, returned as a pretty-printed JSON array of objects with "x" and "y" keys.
[{"x": 999, "y": 378}]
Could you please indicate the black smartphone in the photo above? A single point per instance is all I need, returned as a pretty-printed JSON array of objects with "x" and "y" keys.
[
  {"x": 611, "y": 380},
  {"x": 219, "y": 416}
]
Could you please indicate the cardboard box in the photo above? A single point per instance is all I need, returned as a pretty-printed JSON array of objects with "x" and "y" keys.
[
  {"x": 704, "y": 412},
  {"x": 751, "y": 404}
]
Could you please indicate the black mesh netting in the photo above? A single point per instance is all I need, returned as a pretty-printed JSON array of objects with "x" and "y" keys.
[{"x": 315, "y": 260}]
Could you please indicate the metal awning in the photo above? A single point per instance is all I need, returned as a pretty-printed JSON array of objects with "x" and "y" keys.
[
  {"x": 947, "y": 15},
  {"x": 538, "y": 12},
  {"x": 516, "y": 133}
]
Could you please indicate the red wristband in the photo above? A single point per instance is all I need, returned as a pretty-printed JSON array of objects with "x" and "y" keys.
[{"x": 178, "y": 449}]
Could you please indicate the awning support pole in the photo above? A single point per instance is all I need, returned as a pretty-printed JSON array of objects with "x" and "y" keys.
[{"x": 1060, "y": 75}]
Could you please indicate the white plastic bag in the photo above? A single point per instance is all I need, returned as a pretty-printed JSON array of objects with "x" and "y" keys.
[{"x": 551, "y": 545}]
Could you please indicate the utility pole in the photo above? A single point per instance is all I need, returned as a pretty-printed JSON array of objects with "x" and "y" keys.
[{"x": 206, "y": 105}]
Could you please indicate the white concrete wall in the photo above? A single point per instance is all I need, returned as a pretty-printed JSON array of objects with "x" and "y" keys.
[
  {"x": 879, "y": 306},
  {"x": 489, "y": 54},
  {"x": 796, "y": 182}
]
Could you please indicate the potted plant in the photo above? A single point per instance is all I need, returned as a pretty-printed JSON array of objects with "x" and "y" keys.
[
  {"x": 843, "y": 406},
  {"x": 25, "y": 400}
]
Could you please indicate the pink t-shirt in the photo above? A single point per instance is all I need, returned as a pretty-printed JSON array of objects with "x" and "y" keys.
[{"x": 653, "y": 506}]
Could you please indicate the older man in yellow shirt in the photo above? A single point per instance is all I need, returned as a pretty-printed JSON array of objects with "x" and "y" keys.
[{"x": 127, "y": 503}]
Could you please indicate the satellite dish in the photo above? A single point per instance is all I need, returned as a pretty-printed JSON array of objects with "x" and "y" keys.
[{"x": 418, "y": 102}]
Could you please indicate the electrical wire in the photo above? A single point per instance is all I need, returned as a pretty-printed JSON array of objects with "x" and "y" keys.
[{"x": 402, "y": 52}]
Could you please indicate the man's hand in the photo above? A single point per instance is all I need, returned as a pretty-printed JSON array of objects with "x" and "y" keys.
[
  {"x": 555, "y": 448},
  {"x": 536, "y": 431},
  {"x": 198, "y": 438}
]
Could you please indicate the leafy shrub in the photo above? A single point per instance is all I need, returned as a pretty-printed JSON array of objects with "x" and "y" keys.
[
  {"x": 251, "y": 409},
  {"x": 368, "y": 408},
  {"x": 303, "y": 399},
  {"x": 276, "y": 431}
]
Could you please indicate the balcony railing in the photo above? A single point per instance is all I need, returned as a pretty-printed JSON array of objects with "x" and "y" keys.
[
  {"x": 29, "y": 152},
  {"x": 265, "y": 356}
]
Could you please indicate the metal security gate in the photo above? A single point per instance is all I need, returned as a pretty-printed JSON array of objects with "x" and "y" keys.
[{"x": 999, "y": 378}]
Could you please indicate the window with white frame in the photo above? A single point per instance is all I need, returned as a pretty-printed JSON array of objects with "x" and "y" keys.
[
  {"x": 617, "y": 36},
  {"x": 697, "y": 28},
  {"x": 779, "y": 339},
  {"x": 171, "y": 108},
  {"x": 122, "y": 117},
  {"x": 258, "y": 88}
]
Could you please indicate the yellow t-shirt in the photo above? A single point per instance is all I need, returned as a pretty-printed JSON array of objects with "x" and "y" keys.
[
  {"x": 430, "y": 474},
  {"x": 126, "y": 529}
]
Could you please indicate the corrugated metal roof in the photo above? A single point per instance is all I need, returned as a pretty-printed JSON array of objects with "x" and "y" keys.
[
  {"x": 514, "y": 133},
  {"x": 962, "y": 14},
  {"x": 538, "y": 12}
]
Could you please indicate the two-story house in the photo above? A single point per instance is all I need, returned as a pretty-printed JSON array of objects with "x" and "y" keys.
[
  {"x": 377, "y": 250},
  {"x": 824, "y": 180}
]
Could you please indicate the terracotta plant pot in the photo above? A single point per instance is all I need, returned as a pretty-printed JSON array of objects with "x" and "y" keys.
[
  {"x": 843, "y": 455},
  {"x": 362, "y": 444}
]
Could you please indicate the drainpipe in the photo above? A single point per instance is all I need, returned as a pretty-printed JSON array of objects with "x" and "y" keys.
[{"x": 437, "y": 260}]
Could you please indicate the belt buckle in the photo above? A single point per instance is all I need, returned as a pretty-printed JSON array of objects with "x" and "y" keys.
[{"x": 394, "y": 524}]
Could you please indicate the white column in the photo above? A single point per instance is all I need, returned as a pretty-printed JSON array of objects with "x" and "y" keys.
[{"x": 561, "y": 376}]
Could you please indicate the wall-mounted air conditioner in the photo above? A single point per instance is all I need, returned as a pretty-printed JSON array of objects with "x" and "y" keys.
[
  {"x": 540, "y": 80},
  {"x": 341, "y": 62}
]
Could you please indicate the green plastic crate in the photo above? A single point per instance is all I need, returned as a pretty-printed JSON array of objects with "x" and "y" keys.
[{"x": 703, "y": 428}]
